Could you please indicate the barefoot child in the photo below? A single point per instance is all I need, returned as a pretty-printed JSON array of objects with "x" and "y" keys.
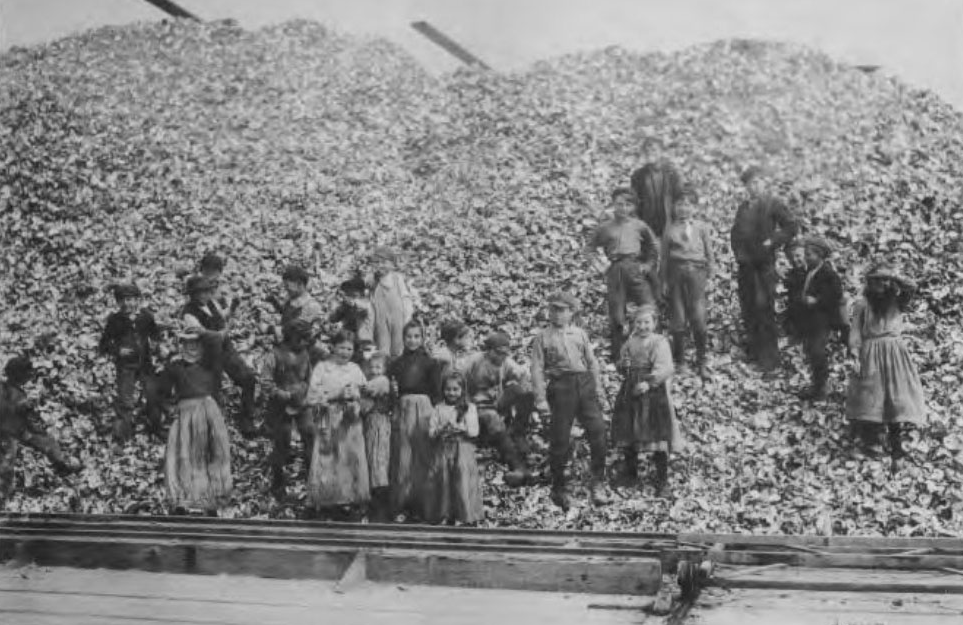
[
  {"x": 198, "y": 455},
  {"x": 885, "y": 389},
  {"x": 454, "y": 484},
  {"x": 376, "y": 410},
  {"x": 127, "y": 339},
  {"x": 644, "y": 418},
  {"x": 566, "y": 377},
  {"x": 688, "y": 266},
  {"x": 20, "y": 425},
  {"x": 413, "y": 373},
  {"x": 338, "y": 476},
  {"x": 393, "y": 303},
  {"x": 285, "y": 375}
]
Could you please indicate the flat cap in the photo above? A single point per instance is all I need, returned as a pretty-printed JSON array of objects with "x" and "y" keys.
[
  {"x": 196, "y": 284},
  {"x": 563, "y": 299}
]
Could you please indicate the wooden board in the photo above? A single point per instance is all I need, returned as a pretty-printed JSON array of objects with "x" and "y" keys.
[
  {"x": 57, "y": 596},
  {"x": 849, "y": 580}
]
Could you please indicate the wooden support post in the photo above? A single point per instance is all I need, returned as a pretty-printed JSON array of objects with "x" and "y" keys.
[
  {"x": 173, "y": 9},
  {"x": 449, "y": 44}
]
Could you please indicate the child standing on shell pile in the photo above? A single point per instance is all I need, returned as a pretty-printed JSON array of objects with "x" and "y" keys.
[
  {"x": 376, "y": 410},
  {"x": 454, "y": 483},
  {"x": 793, "y": 282},
  {"x": 414, "y": 378},
  {"x": 198, "y": 455},
  {"x": 644, "y": 418},
  {"x": 338, "y": 475},
  {"x": 688, "y": 265},
  {"x": 819, "y": 301},
  {"x": 19, "y": 424},
  {"x": 885, "y": 390},
  {"x": 568, "y": 385}
]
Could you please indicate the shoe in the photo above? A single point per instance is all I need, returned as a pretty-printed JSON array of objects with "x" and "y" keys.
[
  {"x": 561, "y": 498},
  {"x": 278, "y": 490},
  {"x": 517, "y": 477},
  {"x": 599, "y": 492}
]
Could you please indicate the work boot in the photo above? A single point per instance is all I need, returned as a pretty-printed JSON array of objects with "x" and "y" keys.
[
  {"x": 278, "y": 490},
  {"x": 701, "y": 343},
  {"x": 518, "y": 474},
  {"x": 631, "y": 457},
  {"x": 561, "y": 497},
  {"x": 247, "y": 428},
  {"x": 599, "y": 491},
  {"x": 678, "y": 351},
  {"x": 662, "y": 474}
]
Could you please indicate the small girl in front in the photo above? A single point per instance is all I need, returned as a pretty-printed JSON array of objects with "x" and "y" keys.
[
  {"x": 338, "y": 475},
  {"x": 376, "y": 406},
  {"x": 454, "y": 483}
]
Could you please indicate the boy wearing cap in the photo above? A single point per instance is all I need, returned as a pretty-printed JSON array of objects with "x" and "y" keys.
[
  {"x": 688, "y": 264},
  {"x": 299, "y": 305},
  {"x": 200, "y": 313},
  {"x": 457, "y": 351},
  {"x": 127, "y": 338},
  {"x": 354, "y": 314},
  {"x": 501, "y": 392},
  {"x": 568, "y": 385},
  {"x": 212, "y": 268},
  {"x": 822, "y": 294},
  {"x": 285, "y": 376},
  {"x": 762, "y": 225},
  {"x": 633, "y": 251},
  {"x": 19, "y": 425}
]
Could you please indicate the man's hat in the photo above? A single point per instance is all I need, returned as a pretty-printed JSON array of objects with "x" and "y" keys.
[
  {"x": 295, "y": 273},
  {"x": 566, "y": 300},
  {"x": 451, "y": 330},
  {"x": 126, "y": 289}
]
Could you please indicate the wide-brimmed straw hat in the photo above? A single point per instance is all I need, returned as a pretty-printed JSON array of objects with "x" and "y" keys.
[{"x": 886, "y": 271}]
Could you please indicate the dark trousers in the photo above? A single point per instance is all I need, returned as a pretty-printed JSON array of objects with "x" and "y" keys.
[
  {"x": 281, "y": 424},
  {"x": 574, "y": 397},
  {"x": 687, "y": 296},
  {"x": 127, "y": 378},
  {"x": 627, "y": 283},
  {"x": 9, "y": 445},
  {"x": 244, "y": 378},
  {"x": 815, "y": 341},
  {"x": 504, "y": 425},
  {"x": 757, "y": 295}
]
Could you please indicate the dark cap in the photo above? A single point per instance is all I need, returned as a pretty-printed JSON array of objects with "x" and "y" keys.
[
  {"x": 196, "y": 284},
  {"x": 497, "y": 340},
  {"x": 125, "y": 290},
  {"x": 563, "y": 299},
  {"x": 751, "y": 173},
  {"x": 18, "y": 369},
  {"x": 451, "y": 330},
  {"x": 295, "y": 273},
  {"x": 355, "y": 284}
]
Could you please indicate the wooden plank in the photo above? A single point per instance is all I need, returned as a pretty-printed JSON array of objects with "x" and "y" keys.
[
  {"x": 839, "y": 560},
  {"x": 586, "y": 574},
  {"x": 448, "y": 44},
  {"x": 954, "y": 544},
  {"x": 848, "y": 580}
]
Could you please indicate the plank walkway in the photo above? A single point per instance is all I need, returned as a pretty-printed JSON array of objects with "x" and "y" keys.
[{"x": 63, "y": 596}]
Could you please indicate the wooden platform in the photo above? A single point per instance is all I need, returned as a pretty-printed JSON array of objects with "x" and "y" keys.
[{"x": 62, "y": 596}]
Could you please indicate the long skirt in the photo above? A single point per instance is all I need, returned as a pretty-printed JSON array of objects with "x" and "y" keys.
[
  {"x": 453, "y": 488},
  {"x": 377, "y": 441},
  {"x": 645, "y": 422},
  {"x": 198, "y": 456},
  {"x": 338, "y": 474},
  {"x": 410, "y": 453},
  {"x": 888, "y": 388}
]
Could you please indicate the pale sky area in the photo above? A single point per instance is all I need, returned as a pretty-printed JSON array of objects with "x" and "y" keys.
[{"x": 920, "y": 41}]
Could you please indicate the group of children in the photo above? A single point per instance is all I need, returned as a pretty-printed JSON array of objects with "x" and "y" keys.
[{"x": 390, "y": 426}]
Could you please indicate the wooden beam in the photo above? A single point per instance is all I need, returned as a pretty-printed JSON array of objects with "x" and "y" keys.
[
  {"x": 173, "y": 9},
  {"x": 448, "y": 44}
]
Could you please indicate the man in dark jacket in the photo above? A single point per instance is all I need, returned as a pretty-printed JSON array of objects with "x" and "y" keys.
[
  {"x": 763, "y": 224},
  {"x": 822, "y": 294},
  {"x": 658, "y": 187}
]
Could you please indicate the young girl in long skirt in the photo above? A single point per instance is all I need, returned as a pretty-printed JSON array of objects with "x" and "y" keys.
[
  {"x": 413, "y": 374},
  {"x": 392, "y": 303},
  {"x": 198, "y": 456},
  {"x": 885, "y": 389},
  {"x": 376, "y": 402},
  {"x": 644, "y": 417},
  {"x": 454, "y": 485},
  {"x": 338, "y": 475}
]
